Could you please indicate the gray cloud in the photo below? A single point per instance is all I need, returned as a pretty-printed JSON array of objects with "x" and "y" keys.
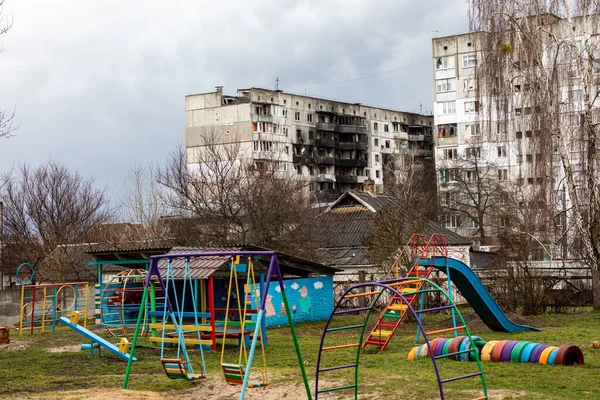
[{"x": 97, "y": 85}]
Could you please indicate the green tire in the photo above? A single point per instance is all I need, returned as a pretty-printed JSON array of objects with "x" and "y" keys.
[
  {"x": 515, "y": 354},
  {"x": 446, "y": 346}
]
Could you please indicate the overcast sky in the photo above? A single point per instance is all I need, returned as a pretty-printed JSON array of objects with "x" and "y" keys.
[{"x": 101, "y": 84}]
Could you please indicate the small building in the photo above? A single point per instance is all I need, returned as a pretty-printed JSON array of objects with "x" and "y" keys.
[{"x": 348, "y": 221}]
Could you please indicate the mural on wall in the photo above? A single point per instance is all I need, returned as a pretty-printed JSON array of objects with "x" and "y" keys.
[{"x": 310, "y": 299}]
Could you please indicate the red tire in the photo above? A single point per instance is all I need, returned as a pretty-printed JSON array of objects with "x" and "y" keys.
[
  {"x": 497, "y": 352},
  {"x": 455, "y": 346},
  {"x": 432, "y": 345},
  {"x": 568, "y": 355}
]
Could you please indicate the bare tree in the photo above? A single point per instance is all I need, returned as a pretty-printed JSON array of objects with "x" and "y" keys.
[
  {"x": 142, "y": 204},
  {"x": 539, "y": 74},
  {"x": 49, "y": 211},
  {"x": 7, "y": 126},
  {"x": 236, "y": 201}
]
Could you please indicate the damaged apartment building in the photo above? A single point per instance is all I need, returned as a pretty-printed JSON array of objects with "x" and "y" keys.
[{"x": 335, "y": 146}]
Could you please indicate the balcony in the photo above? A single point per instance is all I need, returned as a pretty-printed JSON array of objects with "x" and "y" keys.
[
  {"x": 423, "y": 153},
  {"x": 326, "y": 160},
  {"x": 323, "y": 178},
  {"x": 262, "y": 118},
  {"x": 325, "y": 126},
  {"x": 362, "y": 130},
  {"x": 350, "y": 162},
  {"x": 353, "y": 146},
  {"x": 448, "y": 140},
  {"x": 326, "y": 143},
  {"x": 346, "y": 178}
]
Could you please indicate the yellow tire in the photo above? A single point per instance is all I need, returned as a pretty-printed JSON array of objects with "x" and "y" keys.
[
  {"x": 545, "y": 354},
  {"x": 424, "y": 351},
  {"x": 412, "y": 353},
  {"x": 486, "y": 352}
]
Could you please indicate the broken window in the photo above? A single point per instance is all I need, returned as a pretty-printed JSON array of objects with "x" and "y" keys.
[
  {"x": 445, "y": 85},
  {"x": 444, "y": 62},
  {"x": 375, "y": 126},
  {"x": 386, "y": 128},
  {"x": 502, "y": 174},
  {"x": 297, "y": 116},
  {"x": 501, "y": 151},
  {"x": 469, "y": 61},
  {"x": 472, "y": 129},
  {"x": 450, "y": 154},
  {"x": 309, "y": 117},
  {"x": 471, "y": 107}
]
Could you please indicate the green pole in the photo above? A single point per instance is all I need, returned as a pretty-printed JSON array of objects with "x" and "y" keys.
[
  {"x": 296, "y": 344},
  {"x": 153, "y": 307},
  {"x": 135, "y": 337}
]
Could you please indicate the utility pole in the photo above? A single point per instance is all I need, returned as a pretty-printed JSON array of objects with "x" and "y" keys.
[{"x": 277, "y": 83}]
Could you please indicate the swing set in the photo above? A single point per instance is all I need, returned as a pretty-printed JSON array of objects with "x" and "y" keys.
[
  {"x": 181, "y": 367},
  {"x": 234, "y": 373}
]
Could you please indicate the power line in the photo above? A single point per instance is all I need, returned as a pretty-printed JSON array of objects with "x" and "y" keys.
[{"x": 369, "y": 76}]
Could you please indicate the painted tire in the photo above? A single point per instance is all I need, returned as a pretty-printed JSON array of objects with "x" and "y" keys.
[
  {"x": 412, "y": 353},
  {"x": 515, "y": 355},
  {"x": 486, "y": 352},
  {"x": 439, "y": 347},
  {"x": 423, "y": 351},
  {"x": 446, "y": 345},
  {"x": 568, "y": 355},
  {"x": 527, "y": 352},
  {"x": 466, "y": 345},
  {"x": 545, "y": 354},
  {"x": 498, "y": 348},
  {"x": 537, "y": 352},
  {"x": 432, "y": 346},
  {"x": 479, "y": 343},
  {"x": 507, "y": 351},
  {"x": 455, "y": 346},
  {"x": 552, "y": 356}
]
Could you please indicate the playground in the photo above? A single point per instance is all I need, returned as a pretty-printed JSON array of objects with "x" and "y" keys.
[
  {"x": 364, "y": 349},
  {"x": 36, "y": 372}
]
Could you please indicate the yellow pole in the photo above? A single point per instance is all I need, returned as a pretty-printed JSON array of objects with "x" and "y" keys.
[
  {"x": 22, "y": 310},
  {"x": 85, "y": 308}
]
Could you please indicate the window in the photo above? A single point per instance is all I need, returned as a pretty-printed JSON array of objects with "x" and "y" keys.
[
  {"x": 299, "y": 169},
  {"x": 376, "y": 142},
  {"x": 501, "y": 151},
  {"x": 471, "y": 107},
  {"x": 450, "y": 154},
  {"x": 447, "y": 107},
  {"x": 575, "y": 96},
  {"x": 376, "y": 157},
  {"x": 448, "y": 130},
  {"x": 503, "y": 198},
  {"x": 297, "y": 116},
  {"x": 322, "y": 170},
  {"x": 517, "y": 88},
  {"x": 387, "y": 144},
  {"x": 298, "y": 134},
  {"x": 311, "y": 135},
  {"x": 472, "y": 130},
  {"x": 470, "y": 176},
  {"x": 518, "y": 111},
  {"x": 469, "y": 61},
  {"x": 377, "y": 174},
  {"x": 309, "y": 117},
  {"x": 445, "y": 85},
  {"x": 473, "y": 152},
  {"x": 447, "y": 175},
  {"x": 452, "y": 220},
  {"x": 519, "y": 135},
  {"x": 375, "y": 126},
  {"x": 386, "y": 128},
  {"x": 529, "y": 158},
  {"x": 311, "y": 170},
  {"x": 444, "y": 62},
  {"x": 527, "y": 134},
  {"x": 468, "y": 84},
  {"x": 502, "y": 174},
  {"x": 473, "y": 224},
  {"x": 519, "y": 158},
  {"x": 530, "y": 181},
  {"x": 504, "y": 221},
  {"x": 448, "y": 198}
]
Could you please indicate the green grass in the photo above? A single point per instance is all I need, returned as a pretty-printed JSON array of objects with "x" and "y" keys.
[{"x": 35, "y": 370}]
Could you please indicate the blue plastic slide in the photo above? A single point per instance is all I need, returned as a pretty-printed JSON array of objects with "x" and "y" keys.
[
  {"x": 95, "y": 339},
  {"x": 477, "y": 295}
]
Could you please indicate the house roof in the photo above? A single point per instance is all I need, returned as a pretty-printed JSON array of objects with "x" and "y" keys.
[
  {"x": 218, "y": 266},
  {"x": 347, "y": 222}
]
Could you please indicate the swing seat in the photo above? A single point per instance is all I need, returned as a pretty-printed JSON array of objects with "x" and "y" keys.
[
  {"x": 234, "y": 375},
  {"x": 178, "y": 369}
]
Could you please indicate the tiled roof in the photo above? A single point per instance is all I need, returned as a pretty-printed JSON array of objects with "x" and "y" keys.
[{"x": 348, "y": 221}]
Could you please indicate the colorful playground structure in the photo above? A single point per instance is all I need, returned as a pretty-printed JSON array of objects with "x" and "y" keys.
[
  {"x": 177, "y": 266},
  {"x": 96, "y": 342},
  {"x": 426, "y": 255},
  {"x": 501, "y": 350},
  {"x": 43, "y": 305}
]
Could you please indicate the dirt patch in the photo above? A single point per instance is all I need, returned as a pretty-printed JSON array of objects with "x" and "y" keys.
[
  {"x": 14, "y": 345},
  {"x": 64, "y": 349}
]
